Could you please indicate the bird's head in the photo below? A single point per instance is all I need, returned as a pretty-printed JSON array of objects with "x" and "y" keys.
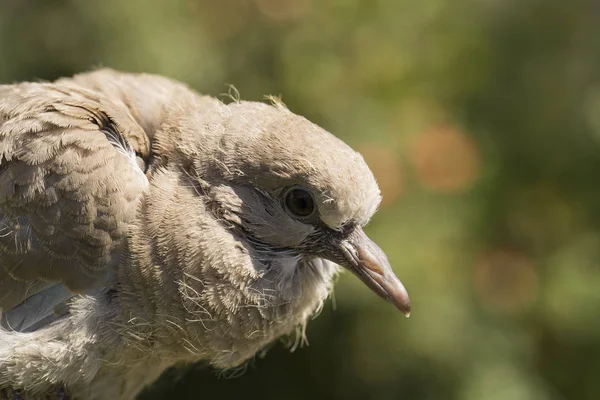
[
  {"x": 294, "y": 192},
  {"x": 290, "y": 201}
]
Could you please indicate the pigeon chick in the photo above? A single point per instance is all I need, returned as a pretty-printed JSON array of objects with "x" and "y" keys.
[{"x": 142, "y": 224}]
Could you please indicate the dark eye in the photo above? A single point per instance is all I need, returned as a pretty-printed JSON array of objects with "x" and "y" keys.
[{"x": 299, "y": 203}]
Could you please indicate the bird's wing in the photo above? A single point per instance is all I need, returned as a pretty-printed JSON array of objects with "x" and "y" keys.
[{"x": 70, "y": 182}]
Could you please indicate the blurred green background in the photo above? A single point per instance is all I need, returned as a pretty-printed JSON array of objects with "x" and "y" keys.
[{"x": 481, "y": 121}]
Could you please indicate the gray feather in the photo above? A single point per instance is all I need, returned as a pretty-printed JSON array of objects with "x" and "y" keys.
[{"x": 38, "y": 310}]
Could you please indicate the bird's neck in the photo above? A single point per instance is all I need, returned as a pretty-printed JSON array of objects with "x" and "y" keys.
[{"x": 193, "y": 291}]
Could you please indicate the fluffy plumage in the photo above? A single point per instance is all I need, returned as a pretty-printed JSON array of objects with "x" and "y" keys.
[{"x": 144, "y": 224}]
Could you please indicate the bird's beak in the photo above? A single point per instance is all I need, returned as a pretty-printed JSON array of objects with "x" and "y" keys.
[{"x": 367, "y": 261}]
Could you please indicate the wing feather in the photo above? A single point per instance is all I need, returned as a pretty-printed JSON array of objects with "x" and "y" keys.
[{"x": 69, "y": 185}]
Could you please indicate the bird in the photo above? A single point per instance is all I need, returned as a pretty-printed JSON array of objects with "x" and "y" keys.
[{"x": 143, "y": 224}]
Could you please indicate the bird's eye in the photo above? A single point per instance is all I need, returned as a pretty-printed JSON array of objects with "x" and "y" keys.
[{"x": 299, "y": 203}]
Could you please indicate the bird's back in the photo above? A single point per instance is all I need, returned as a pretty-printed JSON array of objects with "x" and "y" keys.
[{"x": 73, "y": 155}]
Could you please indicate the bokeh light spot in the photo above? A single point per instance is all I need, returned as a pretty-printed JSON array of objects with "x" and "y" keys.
[
  {"x": 445, "y": 160},
  {"x": 506, "y": 281},
  {"x": 224, "y": 19},
  {"x": 385, "y": 165}
]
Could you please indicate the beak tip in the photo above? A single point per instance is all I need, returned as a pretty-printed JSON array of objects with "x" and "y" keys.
[
  {"x": 398, "y": 296},
  {"x": 370, "y": 264},
  {"x": 404, "y": 307}
]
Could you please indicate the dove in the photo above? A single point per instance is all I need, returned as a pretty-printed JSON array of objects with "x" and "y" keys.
[{"x": 143, "y": 224}]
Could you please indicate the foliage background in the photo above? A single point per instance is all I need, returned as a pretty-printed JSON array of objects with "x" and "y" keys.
[{"x": 480, "y": 120}]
